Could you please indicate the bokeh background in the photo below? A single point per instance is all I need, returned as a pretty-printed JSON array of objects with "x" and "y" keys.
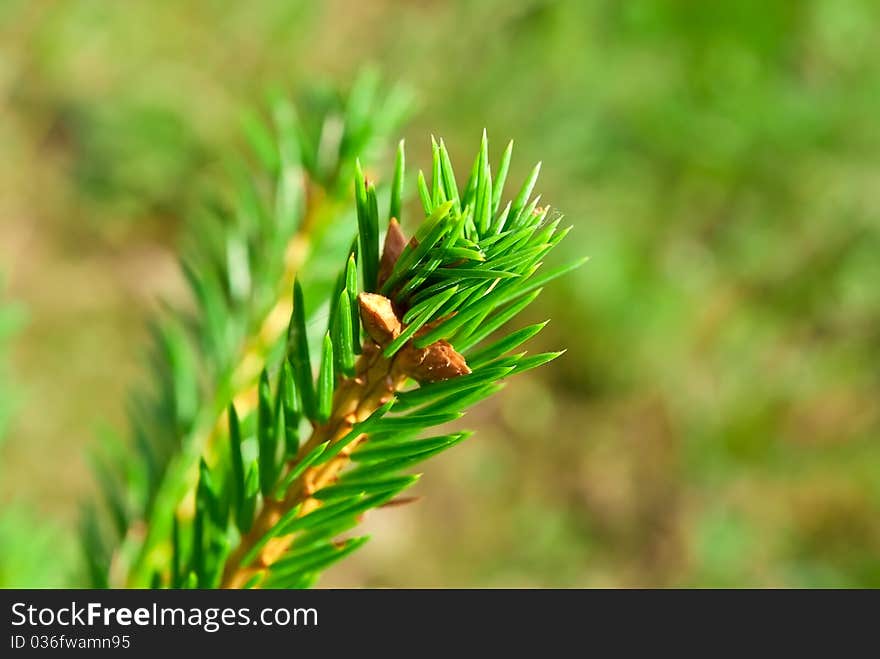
[{"x": 716, "y": 419}]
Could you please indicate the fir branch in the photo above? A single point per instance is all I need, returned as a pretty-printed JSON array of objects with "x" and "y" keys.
[{"x": 423, "y": 307}]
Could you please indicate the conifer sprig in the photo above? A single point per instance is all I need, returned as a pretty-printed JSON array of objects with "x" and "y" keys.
[{"x": 270, "y": 509}]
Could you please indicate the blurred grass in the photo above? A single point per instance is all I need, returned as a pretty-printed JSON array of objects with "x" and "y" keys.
[
  {"x": 31, "y": 554},
  {"x": 716, "y": 418}
]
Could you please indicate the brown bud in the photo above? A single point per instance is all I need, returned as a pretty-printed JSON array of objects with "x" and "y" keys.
[
  {"x": 395, "y": 241},
  {"x": 379, "y": 318},
  {"x": 438, "y": 361}
]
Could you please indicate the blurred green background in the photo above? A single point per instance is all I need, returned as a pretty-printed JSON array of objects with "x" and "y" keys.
[{"x": 716, "y": 419}]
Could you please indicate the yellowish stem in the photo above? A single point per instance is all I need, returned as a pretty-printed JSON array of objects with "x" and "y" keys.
[{"x": 355, "y": 399}]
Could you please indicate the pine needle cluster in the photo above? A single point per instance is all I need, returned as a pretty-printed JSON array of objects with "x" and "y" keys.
[{"x": 321, "y": 400}]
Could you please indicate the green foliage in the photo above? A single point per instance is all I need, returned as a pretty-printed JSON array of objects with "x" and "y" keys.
[
  {"x": 220, "y": 445},
  {"x": 469, "y": 266},
  {"x": 240, "y": 261}
]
